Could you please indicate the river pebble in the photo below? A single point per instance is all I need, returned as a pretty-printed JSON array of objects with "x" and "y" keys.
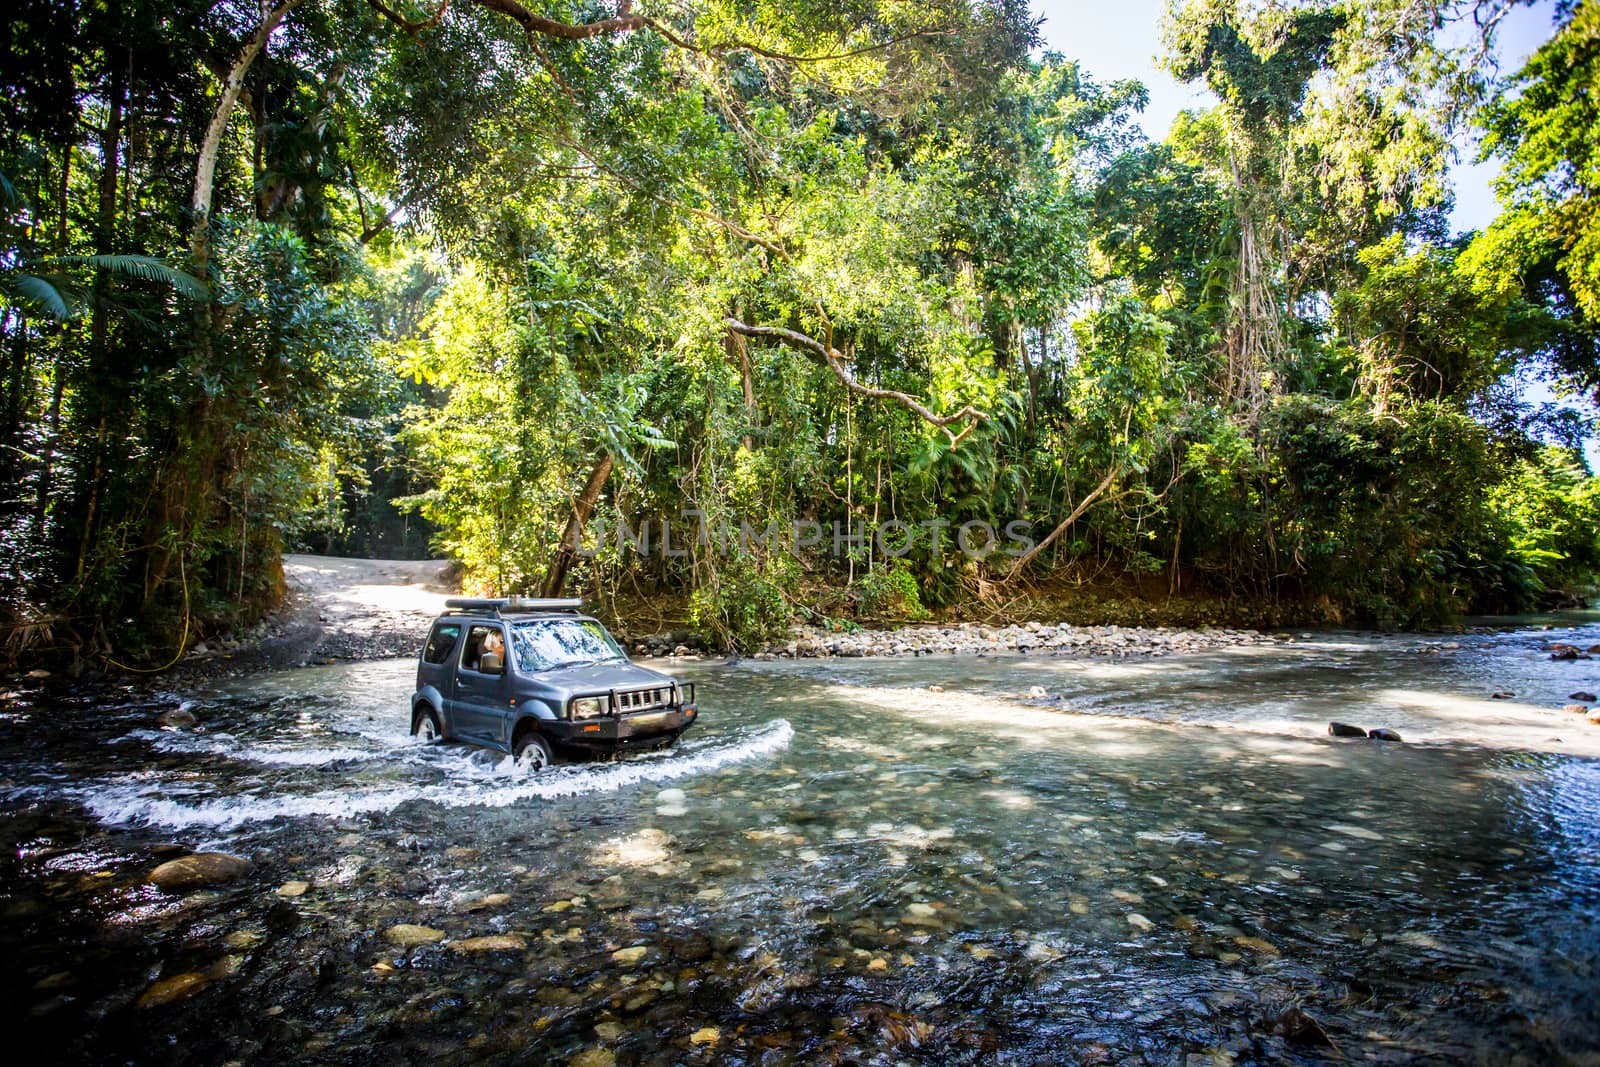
[{"x": 409, "y": 935}]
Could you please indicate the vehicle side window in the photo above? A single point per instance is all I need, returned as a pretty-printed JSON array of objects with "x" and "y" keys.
[
  {"x": 441, "y": 641},
  {"x": 485, "y": 650}
]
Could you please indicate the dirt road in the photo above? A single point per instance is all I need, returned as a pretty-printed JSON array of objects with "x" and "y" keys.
[{"x": 366, "y": 608}]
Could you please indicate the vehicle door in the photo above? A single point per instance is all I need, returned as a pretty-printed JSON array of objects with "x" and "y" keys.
[
  {"x": 434, "y": 668},
  {"x": 482, "y": 689}
]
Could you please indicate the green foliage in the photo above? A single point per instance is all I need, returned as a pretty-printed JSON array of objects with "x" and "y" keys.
[
  {"x": 465, "y": 285},
  {"x": 890, "y": 592},
  {"x": 1546, "y": 241},
  {"x": 746, "y": 607},
  {"x": 1552, "y": 506},
  {"x": 1544, "y": 128},
  {"x": 1387, "y": 514}
]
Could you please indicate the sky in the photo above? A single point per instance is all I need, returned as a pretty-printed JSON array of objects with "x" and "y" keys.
[{"x": 1121, "y": 40}]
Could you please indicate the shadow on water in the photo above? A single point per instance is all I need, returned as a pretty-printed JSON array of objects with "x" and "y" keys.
[{"x": 838, "y": 866}]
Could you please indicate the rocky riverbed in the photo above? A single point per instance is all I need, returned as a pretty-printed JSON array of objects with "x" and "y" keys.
[{"x": 865, "y": 860}]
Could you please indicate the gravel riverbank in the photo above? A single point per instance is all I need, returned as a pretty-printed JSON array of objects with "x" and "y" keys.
[{"x": 1060, "y": 639}]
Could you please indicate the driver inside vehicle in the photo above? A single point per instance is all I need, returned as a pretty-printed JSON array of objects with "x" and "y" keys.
[{"x": 492, "y": 657}]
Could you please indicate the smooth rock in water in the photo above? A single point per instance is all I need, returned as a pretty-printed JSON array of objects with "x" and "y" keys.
[
  {"x": 1583, "y": 696},
  {"x": 177, "y": 717},
  {"x": 935, "y": 688},
  {"x": 200, "y": 869},
  {"x": 409, "y": 935},
  {"x": 1298, "y": 1028},
  {"x": 492, "y": 943},
  {"x": 493, "y": 900},
  {"x": 293, "y": 889},
  {"x": 593, "y": 1057},
  {"x": 1384, "y": 734},
  {"x": 1038, "y": 692},
  {"x": 1341, "y": 729},
  {"x": 1257, "y": 944},
  {"x": 1576, "y": 709},
  {"x": 706, "y": 1035},
  {"x": 171, "y": 990},
  {"x": 630, "y": 956},
  {"x": 1594, "y": 716},
  {"x": 1503, "y": 694},
  {"x": 244, "y": 940},
  {"x": 1564, "y": 652}
]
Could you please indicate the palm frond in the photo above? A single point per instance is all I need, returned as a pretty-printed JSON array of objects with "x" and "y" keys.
[
  {"x": 146, "y": 267},
  {"x": 41, "y": 294}
]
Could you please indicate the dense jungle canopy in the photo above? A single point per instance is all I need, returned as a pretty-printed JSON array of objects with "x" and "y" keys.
[{"x": 407, "y": 276}]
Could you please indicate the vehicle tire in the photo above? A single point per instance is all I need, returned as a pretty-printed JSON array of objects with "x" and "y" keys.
[
  {"x": 425, "y": 725},
  {"x": 533, "y": 752}
]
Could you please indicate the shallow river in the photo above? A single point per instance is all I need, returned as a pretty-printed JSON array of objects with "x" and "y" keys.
[{"x": 838, "y": 865}]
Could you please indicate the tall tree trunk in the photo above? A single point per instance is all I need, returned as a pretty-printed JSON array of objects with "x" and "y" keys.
[
  {"x": 101, "y": 381},
  {"x": 567, "y": 551},
  {"x": 206, "y": 169},
  {"x": 41, "y": 505}
]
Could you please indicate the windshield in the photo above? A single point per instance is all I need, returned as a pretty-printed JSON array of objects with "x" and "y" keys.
[{"x": 546, "y": 643}]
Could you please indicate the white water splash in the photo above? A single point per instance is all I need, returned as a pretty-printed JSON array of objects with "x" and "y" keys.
[
  {"x": 153, "y": 803},
  {"x": 223, "y": 744}
]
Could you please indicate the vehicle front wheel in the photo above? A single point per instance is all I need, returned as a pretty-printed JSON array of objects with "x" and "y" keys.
[
  {"x": 425, "y": 725},
  {"x": 533, "y": 752}
]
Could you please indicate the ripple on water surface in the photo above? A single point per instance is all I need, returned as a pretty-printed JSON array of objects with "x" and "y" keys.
[{"x": 835, "y": 866}]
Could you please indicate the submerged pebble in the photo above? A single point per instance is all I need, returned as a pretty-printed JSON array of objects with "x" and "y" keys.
[{"x": 409, "y": 935}]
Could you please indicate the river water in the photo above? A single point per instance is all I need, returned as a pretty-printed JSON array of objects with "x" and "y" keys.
[{"x": 863, "y": 861}]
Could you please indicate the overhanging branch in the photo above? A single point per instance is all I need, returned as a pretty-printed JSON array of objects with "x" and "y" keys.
[
  {"x": 625, "y": 21},
  {"x": 834, "y": 361}
]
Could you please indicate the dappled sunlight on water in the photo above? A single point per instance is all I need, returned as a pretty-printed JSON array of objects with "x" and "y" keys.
[{"x": 838, "y": 865}]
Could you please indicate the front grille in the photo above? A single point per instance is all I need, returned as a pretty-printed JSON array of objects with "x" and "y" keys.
[{"x": 642, "y": 700}]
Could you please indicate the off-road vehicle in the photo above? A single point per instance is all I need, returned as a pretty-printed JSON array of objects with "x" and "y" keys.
[{"x": 538, "y": 678}]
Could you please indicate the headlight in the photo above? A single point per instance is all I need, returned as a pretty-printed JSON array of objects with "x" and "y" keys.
[{"x": 588, "y": 707}]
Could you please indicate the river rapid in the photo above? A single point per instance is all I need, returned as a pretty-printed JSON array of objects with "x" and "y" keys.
[{"x": 867, "y": 861}]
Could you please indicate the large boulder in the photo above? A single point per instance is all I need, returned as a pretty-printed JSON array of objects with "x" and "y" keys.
[
  {"x": 200, "y": 869},
  {"x": 1342, "y": 729},
  {"x": 1383, "y": 734}
]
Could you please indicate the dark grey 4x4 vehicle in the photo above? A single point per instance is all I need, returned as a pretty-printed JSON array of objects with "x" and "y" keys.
[{"x": 534, "y": 677}]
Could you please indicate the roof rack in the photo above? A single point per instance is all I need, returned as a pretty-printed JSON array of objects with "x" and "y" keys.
[{"x": 514, "y": 604}]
